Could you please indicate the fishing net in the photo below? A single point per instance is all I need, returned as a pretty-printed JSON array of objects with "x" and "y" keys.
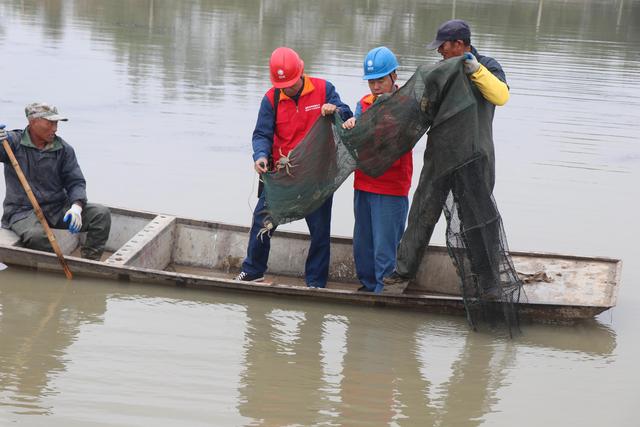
[
  {"x": 457, "y": 178},
  {"x": 477, "y": 243}
]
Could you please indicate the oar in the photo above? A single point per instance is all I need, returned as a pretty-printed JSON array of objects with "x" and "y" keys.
[{"x": 36, "y": 208}]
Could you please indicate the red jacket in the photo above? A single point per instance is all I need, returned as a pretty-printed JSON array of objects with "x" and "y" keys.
[
  {"x": 396, "y": 181},
  {"x": 294, "y": 121}
]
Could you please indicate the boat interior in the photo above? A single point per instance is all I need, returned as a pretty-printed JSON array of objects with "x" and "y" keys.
[
  {"x": 167, "y": 243},
  {"x": 210, "y": 249}
]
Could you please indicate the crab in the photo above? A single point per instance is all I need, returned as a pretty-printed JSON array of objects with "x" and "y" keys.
[
  {"x": 284, "y": 162},
  {"x": 268, "y": 227}
]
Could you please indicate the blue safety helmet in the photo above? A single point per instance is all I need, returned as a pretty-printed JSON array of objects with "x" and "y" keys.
[{"x": 379, "y": 62}]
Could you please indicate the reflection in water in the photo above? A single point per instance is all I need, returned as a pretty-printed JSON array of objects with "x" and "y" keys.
[
  {"x": 196, "y": 47},
  {"x": 283, "y": 367},
  {"x": 36, "y": 327},
  {"x": 303, "y": 363},
  {"x": 381, "y": 377},
  {"x": 367, "y": 372},
  {"x": 159, "y": 84}
]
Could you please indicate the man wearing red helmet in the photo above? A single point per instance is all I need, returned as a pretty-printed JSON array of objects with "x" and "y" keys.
[{"x": 287, "y": 112}]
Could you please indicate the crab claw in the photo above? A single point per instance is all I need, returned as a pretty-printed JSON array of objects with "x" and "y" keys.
[{"x": 266, "y": 229}]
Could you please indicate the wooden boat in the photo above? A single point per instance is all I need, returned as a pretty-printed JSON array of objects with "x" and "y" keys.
[{"x": 163, "y": 249}]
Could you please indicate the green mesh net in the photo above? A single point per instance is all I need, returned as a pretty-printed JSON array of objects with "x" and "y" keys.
[{"x": 457, "y": 178}]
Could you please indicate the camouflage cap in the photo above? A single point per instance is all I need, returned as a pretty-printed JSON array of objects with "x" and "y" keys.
[{"x": 42, "y": 110}]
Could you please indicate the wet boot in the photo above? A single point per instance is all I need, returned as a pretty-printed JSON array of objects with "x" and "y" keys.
[{"x": 395, "y": 283}]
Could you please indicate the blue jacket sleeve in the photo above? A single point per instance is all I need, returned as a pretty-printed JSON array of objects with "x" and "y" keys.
[
  {"x": 358, "y": 112},
  {"x": 262, "y": 139},
  {"x": 13, "y": 137},
  {"x": 4, "y": 157},
  {"x": 334, "y": 98}
]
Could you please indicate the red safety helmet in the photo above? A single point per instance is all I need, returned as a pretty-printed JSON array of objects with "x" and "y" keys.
[{"x": 285, "y": 67}]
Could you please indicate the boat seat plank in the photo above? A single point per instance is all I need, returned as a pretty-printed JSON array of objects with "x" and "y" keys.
[
  {"x": 151, "y": 247},
  {"x": 8, "y": 237},
  {"x": 68, "y": 242}
]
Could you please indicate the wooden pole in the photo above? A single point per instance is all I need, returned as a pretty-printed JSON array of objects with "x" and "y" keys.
[{"x": 36, "y": 208}]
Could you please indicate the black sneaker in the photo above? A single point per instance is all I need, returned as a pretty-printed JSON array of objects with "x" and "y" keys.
[
  {"x": 395, "y": 283},
  {"x": 246, "y": 277}
]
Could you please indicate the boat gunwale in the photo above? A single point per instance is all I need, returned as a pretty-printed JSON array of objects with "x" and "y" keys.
[
  {"x": 343, "y": 239},
  {"x": 124, "y": 273}
]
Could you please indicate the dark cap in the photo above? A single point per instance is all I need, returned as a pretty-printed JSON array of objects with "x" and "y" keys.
[{"x": 456, "y": 29}]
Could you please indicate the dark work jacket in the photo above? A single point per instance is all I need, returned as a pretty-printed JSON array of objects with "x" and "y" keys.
[
  {"x": 486, "y": 111},
  {"x": 491, "y": 65},
  {"x": 53, "y": 174}
]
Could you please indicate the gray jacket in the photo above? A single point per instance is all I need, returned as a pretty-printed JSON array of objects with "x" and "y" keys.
[{"x": 53, "y": 174}]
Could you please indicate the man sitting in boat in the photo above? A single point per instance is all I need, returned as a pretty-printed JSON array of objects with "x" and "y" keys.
[
  {"x": 52, "y": 171},
  {"x": 287, "y": 112}
]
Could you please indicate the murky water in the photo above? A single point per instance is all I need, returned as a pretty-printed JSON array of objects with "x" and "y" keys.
[{"x": 163, "y": 96}]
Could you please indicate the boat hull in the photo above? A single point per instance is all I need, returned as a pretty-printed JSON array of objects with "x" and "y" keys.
[{"x": 166, "y": 250}]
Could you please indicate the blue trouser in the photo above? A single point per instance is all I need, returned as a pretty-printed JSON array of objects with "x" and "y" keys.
[
  {"x": 379, "y": 223},
  {"x": 316, "y": 269}
]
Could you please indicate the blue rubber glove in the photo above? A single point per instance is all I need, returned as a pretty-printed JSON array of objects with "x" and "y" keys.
[
  {"x": 3, "y": 133},
  {"x": 74, "y": 218},
  {"x": 471, "y": 64}
]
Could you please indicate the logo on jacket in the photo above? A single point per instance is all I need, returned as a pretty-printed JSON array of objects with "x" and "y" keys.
[{"x": 311, "y": 107}]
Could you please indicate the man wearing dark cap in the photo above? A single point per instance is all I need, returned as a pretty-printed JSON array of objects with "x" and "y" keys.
[
  {"x": 51, "y": 168},
  {"x": 453, "y": 40}
]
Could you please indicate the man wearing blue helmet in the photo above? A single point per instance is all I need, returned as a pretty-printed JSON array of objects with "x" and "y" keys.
[{"x": 380, "y": 204}]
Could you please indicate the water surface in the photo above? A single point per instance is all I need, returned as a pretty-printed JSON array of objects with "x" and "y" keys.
[{"x": 163, "y": 97}]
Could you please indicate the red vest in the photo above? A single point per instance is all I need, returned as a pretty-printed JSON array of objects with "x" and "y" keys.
[
  {"x": 396, "y": 181},
  {"x": 293, "y": 121}
]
